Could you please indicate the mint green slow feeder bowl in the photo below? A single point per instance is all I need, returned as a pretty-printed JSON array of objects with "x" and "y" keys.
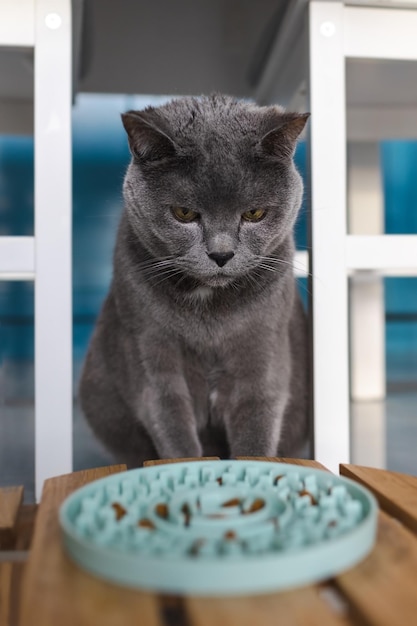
[{"x": 219, "y": 527}]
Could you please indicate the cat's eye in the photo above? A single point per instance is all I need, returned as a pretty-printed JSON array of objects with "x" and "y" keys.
[
  {"x": 184, "y": 215},
  {"x": 255, "y": 215}
]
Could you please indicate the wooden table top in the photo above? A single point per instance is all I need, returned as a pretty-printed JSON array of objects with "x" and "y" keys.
[{"x": 380, "y": 591}]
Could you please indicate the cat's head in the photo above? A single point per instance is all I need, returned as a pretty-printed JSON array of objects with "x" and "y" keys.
[{"x": 212, "y": 186}]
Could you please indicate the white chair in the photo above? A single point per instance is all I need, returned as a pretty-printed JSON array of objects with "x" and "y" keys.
[
  {"x": 45, "y": 27},
  {"x": 307, "y": 67}
]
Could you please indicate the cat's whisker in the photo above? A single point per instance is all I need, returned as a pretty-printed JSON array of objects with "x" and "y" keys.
[
  {"x": 276, "y": 269},
  {"x": 156, "y": 261},
  {"x": 163, "y": 272},
  {"x": 294, "y": 263},
  {"x": 305, "y": 287},
  {"x": 155, "y": 269},
  {"x": 234, "y": 285},
  {"x": 183, "y": 277},
  {"x": 170, "y": 274},
  {"x": 152, "y": 264},
  {"x": 272, "y": 259},
  {"x": 251, "y": 280},
  {"x": 147, "y": 269},
  {"x": 263, "y": 266}
]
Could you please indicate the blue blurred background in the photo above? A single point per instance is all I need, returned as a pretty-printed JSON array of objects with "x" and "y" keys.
[{"x": 100, "y": 156}]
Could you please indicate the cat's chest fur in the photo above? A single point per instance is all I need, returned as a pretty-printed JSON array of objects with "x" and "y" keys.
[{"x": 216, "y": 347}]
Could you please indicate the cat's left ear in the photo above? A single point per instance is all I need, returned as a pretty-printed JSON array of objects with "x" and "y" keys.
[
  {"x": 147, "y": 142},
  {"x": 280, "y": 142}
]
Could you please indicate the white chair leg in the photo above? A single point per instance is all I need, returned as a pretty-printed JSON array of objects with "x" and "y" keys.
[
  {"x": 367, "y": 318},
  {"x": 369, "y": 446},
  {"x": 367, "y": 325},
  {"x": 328, "y": 225},
  {"x": 53, "y": 210}
]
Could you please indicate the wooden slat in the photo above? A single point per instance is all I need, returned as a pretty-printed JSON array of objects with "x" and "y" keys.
[
  {"x": 5, "y": 588},
  {"x": 382, "y": 588},
  {"x": 10, "y": 500},
  {"x": 300, "y": 607},
  {"x": 165, "y": 461},
  {"x": 396, "y": 493},
  {"x": 277, "y": 459},
  {"x": 25, "y": 525},
  {"x": 56, "y": 591},
  {"x": 12, "y": 562},
  {"x": 10, "y": 583}
]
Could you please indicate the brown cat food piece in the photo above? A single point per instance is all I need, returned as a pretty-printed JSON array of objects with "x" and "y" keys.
[
  {"x": 230, "y": 535},
  {"x": 304, "y": 492},
  {"x": 119, "y": 510},
  {"x": 162, "y": 510},
  {"x": 256, "y": 505},
  {"x": 146, "y": 523},
  {"x": 185, "y": 509},
  {"x": 232, "y": 502},
  {"x": 195, "y": 548},
  {"x": 220, "y": 480}
]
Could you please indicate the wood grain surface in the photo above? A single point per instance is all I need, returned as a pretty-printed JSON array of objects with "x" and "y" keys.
[
  {"x": 277, "y": 459},
  {"x": 300, "y": 607},
  {"x": 10, "y": 570},
  {"x": 5, "y": 592},
  {"x": 383, "y": 586},
  {"x": 10, "y": 501},
  {"x": 396, "y": 493},
  {"x": 12, "y": 564},
  {"x": 10, "y": 584},
  {"x": 57, "y": 592}
]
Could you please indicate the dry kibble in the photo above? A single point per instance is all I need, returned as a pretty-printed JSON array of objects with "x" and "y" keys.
[
  {"x": 185, "y": 509},
  {"x": 232, "y": 502},
  {"x": 146, "y": 523},
  {"x": 230, "y": 535},
  {"x": 220, "y": 480},
  {"x": 304, "y": 492},
  {"x": 256, "y": 505},
  {"x": 162, "y": 510},
  {"x": 119, "y": 510}
]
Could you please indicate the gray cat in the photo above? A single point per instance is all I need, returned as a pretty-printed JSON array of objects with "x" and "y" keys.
[{"x": 200, "y": 348}]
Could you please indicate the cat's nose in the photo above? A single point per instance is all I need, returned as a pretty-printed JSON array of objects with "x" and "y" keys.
[{"x": 221, "y": 258}]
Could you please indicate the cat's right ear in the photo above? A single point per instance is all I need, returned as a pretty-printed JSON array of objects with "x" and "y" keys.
[
  {"x": 280, "y": 142},
  {"x": 146, "y": 141}
]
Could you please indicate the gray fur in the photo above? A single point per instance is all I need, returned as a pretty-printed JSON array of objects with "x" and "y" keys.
[{"x": 189, "y": 358}]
